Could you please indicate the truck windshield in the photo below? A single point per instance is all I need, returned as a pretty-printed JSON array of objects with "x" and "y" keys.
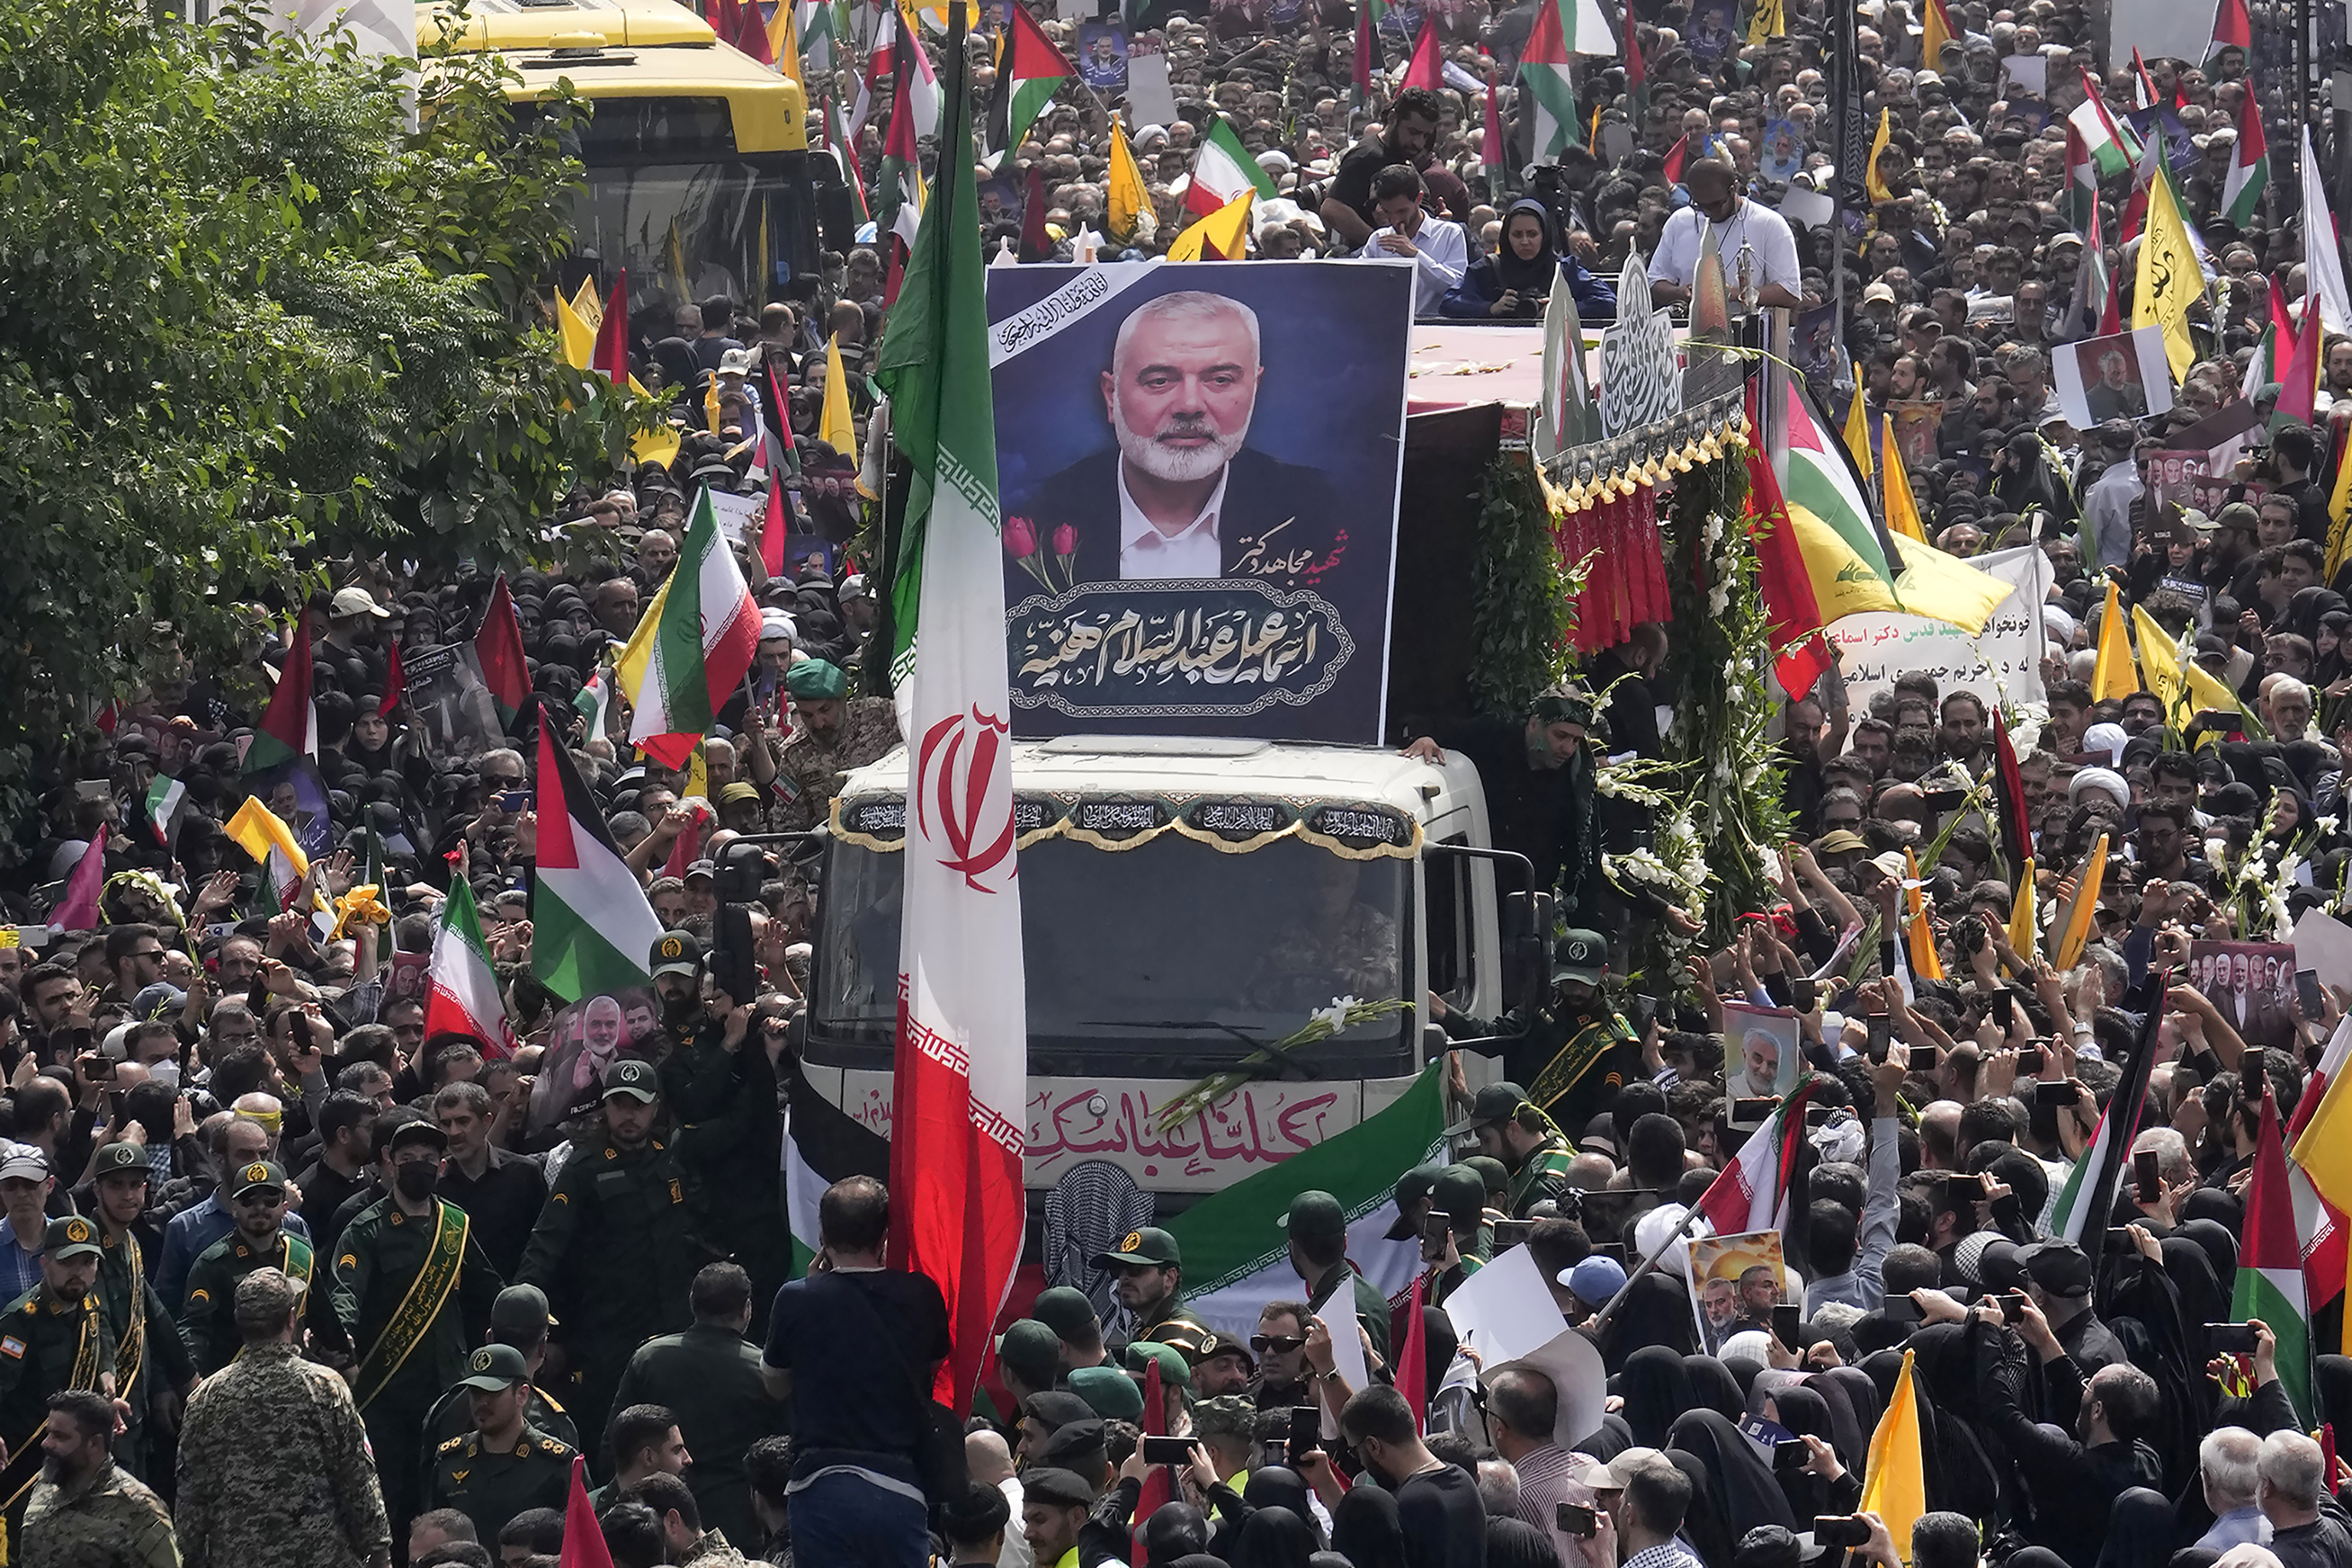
[
  {"x": 1169, "y": 959},
  {"x": 711, "y": 227}
]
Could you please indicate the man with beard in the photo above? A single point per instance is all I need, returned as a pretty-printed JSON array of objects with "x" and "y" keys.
[
  {"x": 412, "y": 1291},
  {"x": 612, "y": 1249},
  {"x": 1180, "y": 494},
  {"x": 833, "y": 735},
  {"x": 53, "y": 1338},
  {"x": 1437, "y": 1503},
  {"x": 86, "y": 1510},
  {"x": 1280, "y": 1346},
  {"x": 604, "y": 1029}
]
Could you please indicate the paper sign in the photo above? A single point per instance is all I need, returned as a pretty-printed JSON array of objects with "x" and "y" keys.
[
  {"x": 2004, "y": 664},
  {"x": 2323, "y": 943},
  {"x": 1813, "y": 209},
  {"x": 1506, "y": 1311},
  {"x": 2030, "y": 73},
  {"x": 1339, "y": 1315},
  {"x": 2124, "y": 375},
  {"x": 1150, "y": 99},
  {"x": 1578, "y": 1377},
  {"x": 737, "y": 515}
]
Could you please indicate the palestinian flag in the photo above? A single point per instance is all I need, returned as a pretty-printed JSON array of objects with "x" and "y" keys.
[
  {"x": 896, "y": 49},
  {"x": 899, "y": 203},
  {"x": 1753, "y": 1192},
  {"x": 1494, "y": 156},
  {"x": 1852, "y": 562},
  {"x": 1223, "y": 170},
  {"x": 594, "y": 703},
  {"x": 1370, "y": 14},
  {"x": 823, "y": 1144},
  {"x": 256, "y": 830},
  {"x": 836, "y": 143},
  {"x": 1792, "y": 618},
  {"x": 498, "y": 653},
  {"x": 2009, "y": 795},
  {"x": 1637, "y": 74},
  {"x": 1030, "y": 72},
  {"x": 2250, "y": 166},
  {"x": 1682, "y": 152},
  {"x": 289, "y": 725},
  {"x": 167, "y": 802},
  {"x": 2270, "y": 1265},
  {"x": 1233, "y": 1241},
  {"x": 2078, "y": 203},
  {"x": 2143, "y": 84},
  {"x": 2109, "y": 147},
  {"x": 462, "y": 996},
  {"x": 1937, "y": 32},
  {"x": 1423, "y": 68},
  {"x": 2234, "y": 27},
  {"x": 592, "y": 930},
  {"x": 77, "y": 905},
  {"x": 819, "y": 55},
  {"x": 693, "y": 647},
  {"x": 1544, "y": 72},
  {"x": 2089, "y": 1196},
  {"x": 1567, "y": 401}
]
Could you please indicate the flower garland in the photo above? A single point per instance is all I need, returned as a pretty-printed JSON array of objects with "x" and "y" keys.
[{"x": 1344, "y": 1013}]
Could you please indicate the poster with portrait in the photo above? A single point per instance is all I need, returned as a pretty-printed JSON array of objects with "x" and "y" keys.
[
  {"x": 1711, "y": 30},
  {"x": 1734, "y": 1283},
  {"x": 2124, "y": 376},
  {"x": 1917, "y": 422},
  {"x": 1763, "y": 1051},
  {"x": 1784, "y": 150},
  {"x": 1102, "y": 56},
  {"x": 454, "y": 715},
  {"x": 1002, "y": 201},
  {"x": 1198, "y": 464},
  {"x": 2250, "y": 984},
  {"x": 589, "y": 1035}
]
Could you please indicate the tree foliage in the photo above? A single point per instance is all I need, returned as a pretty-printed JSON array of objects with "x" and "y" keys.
[{"x": 258, "y": 319}]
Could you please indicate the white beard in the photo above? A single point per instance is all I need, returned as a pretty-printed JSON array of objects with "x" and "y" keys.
[{"x": 1168, "y": 463}]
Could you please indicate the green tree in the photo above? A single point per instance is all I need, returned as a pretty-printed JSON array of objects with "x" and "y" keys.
[{"x": 257, "y": 320}]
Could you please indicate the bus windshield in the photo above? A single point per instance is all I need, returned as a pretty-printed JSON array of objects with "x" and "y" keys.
[
  {"x": 1168, "y": 959},
  {"x": 693, "y": 230}
]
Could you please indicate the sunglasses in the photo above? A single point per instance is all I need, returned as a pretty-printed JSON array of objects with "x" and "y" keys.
[{"x": 1278, "y": 1344}]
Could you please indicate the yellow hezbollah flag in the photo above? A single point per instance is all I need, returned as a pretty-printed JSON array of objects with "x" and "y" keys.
[
  {"x": 2075, "y": 931},
  {"x": 579, "y": 319},
  {"x": 2159, "y": 659},
  {"x": 1935, "y": 35},
  {"x": 2339, "y": 507},
  {"x": 1871, "y": 182},
  {"x": 1124, "y": 194},
  {"x": 834, "y": 429},
  {"x": 2021, "y": 931},
  {"x": 1924, "y": 964},
  {"x": 697, "y": 774},
  {"x": 2325, "y": 1149},
  {"x": 1896, "y": 1491},
  {"x": 256, "y": 830},
  {"x": 579, "y": 337},
  {"x": 2115, "y": 676},
  {"x": 586, "y": 305},
  {"x": 2171, "y": 278},
  {"x": 1771, "y": 20},
  {"x": 630, "y": 667},
  {"x": 1222, "y": 236},
  {"x": 1857, "y": 434},
  {"x": 1900, "y": 506},
  {"x": 784, "y": 38}
]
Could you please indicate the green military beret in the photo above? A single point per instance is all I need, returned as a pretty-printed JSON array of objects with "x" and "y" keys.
[
  {"x": 816, "y": 680},
  {"x": 1175, "y": 1367},
  {"x": 1111, "y": 1393}
]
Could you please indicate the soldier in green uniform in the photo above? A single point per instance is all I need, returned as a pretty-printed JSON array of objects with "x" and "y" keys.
[
  {"x": 1458, "y": 1198},
  {"x": 1577, "y": 1053},
  {"x": 152, "y": 1362},
  {"x": 1318, "y": 1230},
  {"x": 505, "y": 1464},
  {"x": 1509, "y": 1128},
  {"x": 517, "y": 1318},
  {"x": 835, "y": 733},
  {"x": 1151, "y": 1285},
  {"x": 257, "y": 1198},
  {"x": 408, "y": 1286},
  {"x": 54, "y": 1337},
  {"x": 612, "y": 1249}
]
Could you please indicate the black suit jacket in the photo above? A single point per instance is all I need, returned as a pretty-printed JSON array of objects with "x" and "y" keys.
[{"x": 1281, "y": 521}]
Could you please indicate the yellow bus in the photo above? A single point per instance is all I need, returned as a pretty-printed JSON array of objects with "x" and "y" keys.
[{"x": 699, "y": 177}]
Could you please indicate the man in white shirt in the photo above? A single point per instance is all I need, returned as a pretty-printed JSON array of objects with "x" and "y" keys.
[
  {"x": 1439, "y": 252},
  {"x": 1716, "y": 203}
]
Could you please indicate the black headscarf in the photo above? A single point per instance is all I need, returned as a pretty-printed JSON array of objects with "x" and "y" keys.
[
  {"x": 1713, "y": 1386},
  {"x": 1657, "y": 1388},
  {"x": 1535, "y": 278},
  {"x": 1365, "y": 1528},
  {"x": 2142, "y": 1531},
  {"x": 1656, "y": 1310},
  {"x": 1516, "y": 1544},
  {"x": 1703, "y": 1522},
  {"x": 1274, "y": 1538},
  {"x": 2332, "y": 1379},
  {"x": 1744, "y": 1484}
]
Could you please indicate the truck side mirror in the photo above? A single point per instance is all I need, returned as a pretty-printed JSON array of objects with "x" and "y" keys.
[{"x": 1526, "y": 920}]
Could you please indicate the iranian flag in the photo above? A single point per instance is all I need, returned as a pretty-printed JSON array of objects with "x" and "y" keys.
[
  {"x": 1233, "y": 1241},
  {"x": 2250, "y": 166},
  {"x": 462, "y": 996},
  {"x": 2270, "y": 1265},
  {"x": 1035, "y": 69},
  {"x": 592, "y": 930},
  {"x": 922, "y": 83},
  {"x": 960, "y": 1085},
  {"x": 2320, "y": 1223},
  {"x": 1753, "y": 1192},
  {"x": 1223, "y": 170},
  {"x": 498, "y": 653},
  {"x": 2109, "y": 147},
  {"x": 693, "y": 646},
  {"x": 1544, "y": 69}
]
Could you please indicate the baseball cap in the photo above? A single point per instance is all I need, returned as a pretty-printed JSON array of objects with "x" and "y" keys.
[
  {"x": 520, "y": 1309},
  {"x": 1315, "y": 1216},
  {"x": 259, "y": 1174},
  {"x": 23, "y": 1160},
  {"x": 1876, "y": 292},
  {"x": 1839, "y": 841},
  {"x": 1596, "y": 1280},
  {"x": 1460, "y": 1194},
  {"x": 1066, "y": 1309},
  {"x": 1580, "y": 956},
  {"x": 69, "y": 1235},
  {"x": 676, "y": 952},
  {"x": 409, "y": 1132},
  {"x": 494, "y": 1369},
  {"x": 1149, "y": 1245},
  {"x": 1495, "y": 1102},
  {"x": 736, "y": 362},
  {"x": 357, "y": 602},
  {"x": 1490, "y": 1171},
  {"x": 704, "y": 870},
  {"x": 1410, "y": 1188},
  {"x": 852, "y": 587},
  {"x": 2060, "y": 1267},
  {"x": 1110, "y": 1391},
  {"x": 632, "y": 1078},
  {"x": 736, "y": 791},
  {"x": 123, "y": 1156}
]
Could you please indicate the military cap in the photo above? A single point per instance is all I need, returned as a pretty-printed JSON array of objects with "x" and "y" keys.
[
  {"x": 1175, "y": 1362},
  {"x": 265, "y": 1294},
  {"x": 71, "y": 1236},
  {"x": 1581, "y": 955},
  {"x": 1063, "y": 1489},
  {"x": 1490, "y": 1170},
  {"x": 1055, "y": 1407},
  {"x": 816, "y": 680},
  {"x": 1066, "y": 1311},
  {"x": 676, "y": 952},
  {"x": 1410, "y": 1188},
  {"x": 1460, "y": 1195},
  {"x": 1074, "y": 1441},
  {"x": 632, "y": 1078},
  {"x": 1149, "y": 1245},
  {"x": 493, "y": 1369},
  {"x": 1495, "y": 1102},
  {"x": 409, "y": 1132},
  {"x": 1109, "y": 1391},
  {"x": 736, "y": 791},
  {"x": 1214, "y": 1346},
  {"x": 1031, "y": 1351},
  {"x": 520, "y": 1309},
  {"x": 259, "y": 1174},
  {"x": 1227, "y": 1416},
  {"x": 1315, "y": 1216},
  {"x": 119, "y": 1157}
]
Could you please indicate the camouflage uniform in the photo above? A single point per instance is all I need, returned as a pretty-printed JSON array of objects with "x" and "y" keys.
[
  {"x": 274, "y": 1470},
  {"x": 46, "y": 1345},
  {"x": 1306, "y": 968},
  {"x": 108, "y": 1520},
  {"x": 808, "y": 771}
]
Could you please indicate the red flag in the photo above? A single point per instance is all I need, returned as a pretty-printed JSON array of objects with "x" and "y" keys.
[
  {"x": 1672, "y": 171},
  {"x": 78, "y": 908},
  {"x": 1366, "y": 25},
  {"x": 498, "y": 649},
  {"x": 2299, "y": 382},
  {"x": 395, "y": 682},
  {"x": 2232, "y": 24},
  {"x": 1413, "y": 1355},
  {"x": 2009, "y": 794},
  {"x": 1424, "y": 69},
  {"x": 612, "y": 356},
  {"x": 1036, "y": 244},
  {"x": 289, "y": 725},
  {"x": 1792, "y": 616},
  {"x": 687, "y": 847},
  {"x": 750, "y": 34},
  {"x": 1637, "y": 75},
  {"x": 772, "y": 531},
  {"x": 583, "y": 1538},
  {"x": 776, "y": 425},
  {"x": 1156, "y": 1490},
  {"x": 1491, "y": 150}
]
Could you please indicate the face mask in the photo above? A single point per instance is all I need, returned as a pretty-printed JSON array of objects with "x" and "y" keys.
[
  {"x": 416, "y": 1181},
  {"x": 166, "y": 1073}
]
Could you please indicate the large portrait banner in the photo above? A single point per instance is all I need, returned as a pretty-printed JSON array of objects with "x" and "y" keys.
[{"x": 1199, "y": 466}]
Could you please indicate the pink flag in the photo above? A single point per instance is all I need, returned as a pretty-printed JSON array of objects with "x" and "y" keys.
[{"x": 78, "y": 911}]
